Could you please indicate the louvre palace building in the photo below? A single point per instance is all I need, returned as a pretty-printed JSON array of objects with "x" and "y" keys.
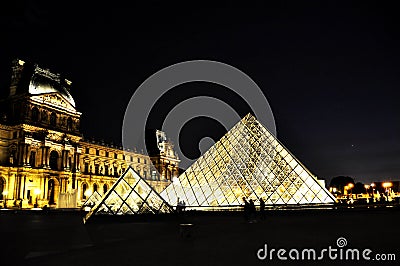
[{"x": 44, "y": 158}]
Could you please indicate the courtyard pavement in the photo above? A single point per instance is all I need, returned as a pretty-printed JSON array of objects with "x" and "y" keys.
[{"x": 225, "y": 238}]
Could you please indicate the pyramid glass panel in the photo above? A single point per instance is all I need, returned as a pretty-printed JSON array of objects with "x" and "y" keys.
[
  {"x": 248, "y": 161},
  {"x": 130, "y": 194},
  {"x": 92, "y": 200}
]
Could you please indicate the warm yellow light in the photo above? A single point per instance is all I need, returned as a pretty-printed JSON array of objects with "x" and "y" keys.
[
  {"x": 21, "y": 63},
  {"x": 88, "y": 193},
  {"x": 366, "y": 186},
  {"x": 36, "y": 191},
  {"x": 350, "y": 185},
  {"x": 5, "y": 193},
  {"x": 346, "y": 187},
  {"x": 373, "y": 185},
  {"x": 387, "y": 184}
]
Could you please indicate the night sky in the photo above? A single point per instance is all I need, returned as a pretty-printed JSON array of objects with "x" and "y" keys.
[{"x": 330, "y": 72}]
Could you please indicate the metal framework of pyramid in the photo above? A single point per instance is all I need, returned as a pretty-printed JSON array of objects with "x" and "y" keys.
[
  {"x": 92, "y": 200},
  {"x": 130, "y": 194},
  {"x": 248, "y": 161}
]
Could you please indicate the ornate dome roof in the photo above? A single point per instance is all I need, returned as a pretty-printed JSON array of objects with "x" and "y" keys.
[{"x": 43, "y": 81}]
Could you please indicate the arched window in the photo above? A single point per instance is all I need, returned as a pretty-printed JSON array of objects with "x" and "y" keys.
[
  {"x": 69, "y": 124},
  {"x": 54, "y": 160},
  {"x": 2, "y": 187},
  {"x": 84, "y": 188},
  {"x": 50, "y": 191},
  {"x": 53, "y": 119},
  {"x": 35, "y": 114},
  {"x": 105, "y": 188},
  {"x": 94, "y": 187}
]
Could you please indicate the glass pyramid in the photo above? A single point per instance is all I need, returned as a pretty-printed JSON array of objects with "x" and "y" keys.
[
  {"x": 248, "y": 161},
  {"x": 130, "y": 194},
  {"x": 92, "y": 200}
]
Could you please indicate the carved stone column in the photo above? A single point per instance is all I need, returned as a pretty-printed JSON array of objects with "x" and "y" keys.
[
  {"x": 76, "y": 161},
  {"x": 47, "y": 158},
  {"x": 65, "y": 164},
  {"x": 44, "y": 186},
  {"x": 26, "y": 154},
  {"x": 43, "y": 157},
  {"x": 20, "y": 154}
]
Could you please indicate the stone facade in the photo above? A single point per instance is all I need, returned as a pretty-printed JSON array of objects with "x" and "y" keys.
[{"x": 45, "y": 160}]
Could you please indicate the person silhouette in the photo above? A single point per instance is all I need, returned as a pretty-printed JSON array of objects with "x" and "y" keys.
[
  {"x": 246, "y": 209},
  {"x": 183, "y": 205},
  {"x": 178, "y": 206},
  {"x": 252, "y": 210},
  {"x": 262, "y": 208}
]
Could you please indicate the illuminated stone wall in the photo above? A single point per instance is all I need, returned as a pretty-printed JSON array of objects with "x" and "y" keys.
[{"x": 43, "y": 156}]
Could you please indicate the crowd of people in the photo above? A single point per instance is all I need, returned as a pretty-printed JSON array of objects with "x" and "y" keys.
[
  {"x": 249, "y": 208},
  {"x": 180, "y": 206},
  {"x": 250, "y": 212}
]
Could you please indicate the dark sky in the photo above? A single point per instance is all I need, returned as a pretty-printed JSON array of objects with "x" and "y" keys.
[{"x": 329, "y": 71}]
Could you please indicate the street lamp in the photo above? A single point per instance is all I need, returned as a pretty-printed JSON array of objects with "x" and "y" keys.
[
  {"x": 366, "y": 192},
  {"x": 350, "y": 186},
  {"x": 387, "y": 186},
  {"x": 5, "y": 193},
  {"x": 373, "y": 192},
  {"x": 366, "y": 188}
]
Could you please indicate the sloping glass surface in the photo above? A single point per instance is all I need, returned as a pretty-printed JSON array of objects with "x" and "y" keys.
[
  {"x": 92, "y": 200},
  {"x": 130, "y": 195},
  {"x": 248, "y": 161}
]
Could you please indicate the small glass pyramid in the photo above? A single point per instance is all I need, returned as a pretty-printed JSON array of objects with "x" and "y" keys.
[
  {"x": 130, "y": 194},
  {"x": 248, "y": 161},
  {"x": 92, "y": 200}
]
